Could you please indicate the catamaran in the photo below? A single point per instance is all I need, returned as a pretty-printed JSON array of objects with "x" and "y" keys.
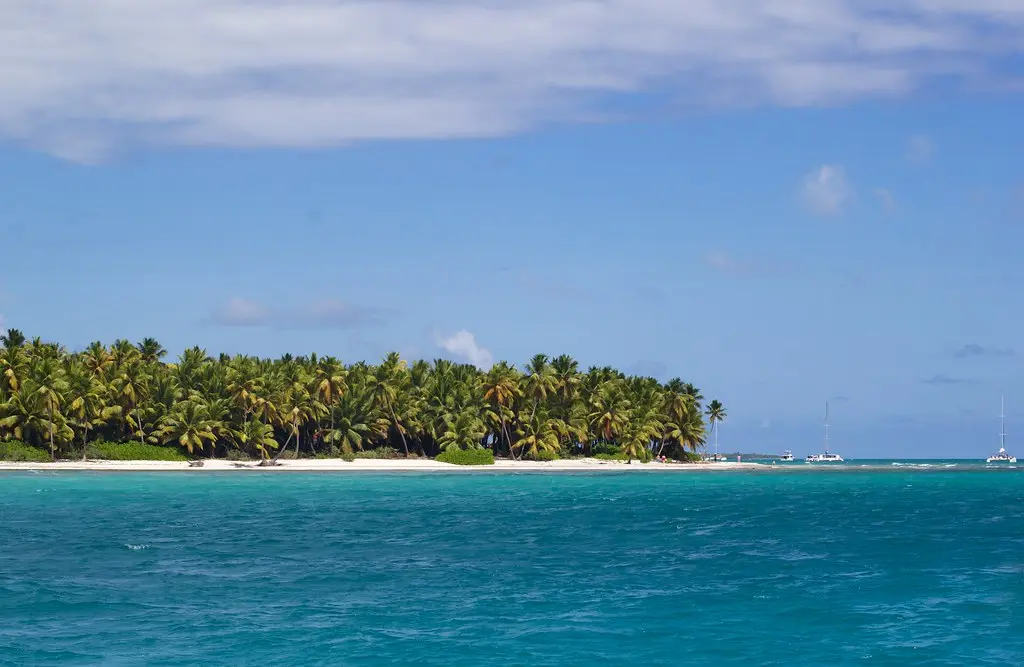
[
  {"x": 827, "y": 457},
  {"x": 1002, "y": 456}
]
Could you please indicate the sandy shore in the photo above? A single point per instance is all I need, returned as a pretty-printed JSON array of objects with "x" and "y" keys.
[{"x": 379, "y": 465}]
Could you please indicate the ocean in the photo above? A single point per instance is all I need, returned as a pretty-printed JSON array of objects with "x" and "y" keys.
[{"x": 888, "y": 565}]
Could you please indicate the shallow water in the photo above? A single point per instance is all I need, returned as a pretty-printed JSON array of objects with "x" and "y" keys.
[{"x": 875, "y": 567}]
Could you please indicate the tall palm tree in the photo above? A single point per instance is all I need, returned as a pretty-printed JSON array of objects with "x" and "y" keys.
[
  {"x": 388, "y": 380},
  {"x": 50, "y": 385},
  {"x": 716, "y": 415},
  {"x": 85, "y": 402}
]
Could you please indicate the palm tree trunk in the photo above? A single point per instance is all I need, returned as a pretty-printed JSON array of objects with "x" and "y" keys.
[
  {"x": 283, "y": 448},
  {"x": 85, "y": 439},
  {"x": 394, "y": 418},
  {"x": 53, "y": 451}
]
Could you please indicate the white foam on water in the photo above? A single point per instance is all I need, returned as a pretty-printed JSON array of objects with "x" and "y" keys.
[{"x": 137, "y": 547}]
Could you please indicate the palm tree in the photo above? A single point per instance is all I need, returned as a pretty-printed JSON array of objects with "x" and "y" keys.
[
  {"x": 85, "y": 403},
  {"x": 49, "y": 384},
  {"x": 330, "y": 384},
  {"x": 500, "y": 388},
  {"x": 151, "y": 351},
  {"x": 463, "y": 431},
  {"x": 188, "y": 425},
  {"x": 716, "y": 414},
  {"x": 257, "y": 435},
  {"x": 388, "y": 380},
  {"x": 539, "y": 435}
]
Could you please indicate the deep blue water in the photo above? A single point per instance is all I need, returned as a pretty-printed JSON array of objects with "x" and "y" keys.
[{"x": 891, "y": 567}]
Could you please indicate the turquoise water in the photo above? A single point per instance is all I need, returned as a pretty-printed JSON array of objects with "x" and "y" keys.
[{"x": 879, "y": 567}]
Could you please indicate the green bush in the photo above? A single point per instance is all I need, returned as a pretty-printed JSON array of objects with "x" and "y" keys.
[
  {"x": 603, "y": 456},
  {"x": 12, "y": 450},
  {"x": 133, "y": 451},
  {"x": 348, "y": 456},
  {"x": 379, "y": 453},
  {"x": 606, "y": 448},
  {"x": 237, "y": 455},
  {"x": 467, "y": 457},
  {"x": 544, "y": 456}
]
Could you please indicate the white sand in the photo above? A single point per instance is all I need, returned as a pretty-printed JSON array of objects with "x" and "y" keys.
[{"x": 380, "y": 465}]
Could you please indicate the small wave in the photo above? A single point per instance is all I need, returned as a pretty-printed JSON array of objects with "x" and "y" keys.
[{"x": 137, "y": 547}]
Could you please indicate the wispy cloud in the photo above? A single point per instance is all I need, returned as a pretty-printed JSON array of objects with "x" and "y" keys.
[
  {"x": 920, "y": 149},
  {"x": 944, "y": 380},
  {"x": 323, "y": 314},
  {"x": 462, "y": 345},
  {"x": 242, "y": 313},
  {"x": 885, "y": 198},
  {"x": 80, "y": 79},
  {"x": 825, "y": 191},
  {"x": 724, "y": 262},
  {"x": 975, "y": 350}
]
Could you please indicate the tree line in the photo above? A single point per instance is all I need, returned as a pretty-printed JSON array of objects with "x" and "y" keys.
[{"x": 311, "y": 405}]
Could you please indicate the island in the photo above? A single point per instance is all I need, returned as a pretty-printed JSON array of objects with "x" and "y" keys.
[{"x": 124, "y": 405}]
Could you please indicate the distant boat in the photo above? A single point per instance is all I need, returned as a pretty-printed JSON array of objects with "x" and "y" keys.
[
  {"x": 1002, "y": 456},
  {"x": 826, "y": 457},
  {"x": 787, "y": 455}
]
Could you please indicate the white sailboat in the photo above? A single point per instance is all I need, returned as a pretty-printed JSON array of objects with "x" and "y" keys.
[
  {"x": 1002, "y": 456},
  {"x": 826, "y": 457}
]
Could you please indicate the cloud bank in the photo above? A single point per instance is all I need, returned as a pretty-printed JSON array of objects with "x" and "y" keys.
[{"x": 80, "y": 79}]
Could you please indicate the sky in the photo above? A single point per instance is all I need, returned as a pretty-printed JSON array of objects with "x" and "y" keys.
[{"x": 783, "y": 202}]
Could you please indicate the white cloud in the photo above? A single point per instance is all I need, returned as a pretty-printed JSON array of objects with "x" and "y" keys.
[
  {"x": 463, "y": 345},
  {"x": 79, "y": 79},
  {"x": 825, "y": 190},
  {"x": 920, "y": 149}
]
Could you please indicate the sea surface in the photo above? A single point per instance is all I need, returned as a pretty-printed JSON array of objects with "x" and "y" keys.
[{"x": 887, "y": 565}]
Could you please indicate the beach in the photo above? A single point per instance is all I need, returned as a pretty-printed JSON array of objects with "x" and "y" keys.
[{"x": 381, "y": 465}]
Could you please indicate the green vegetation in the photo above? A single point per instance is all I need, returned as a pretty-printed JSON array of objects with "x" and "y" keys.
[
  {"x": 64, "y": 404},
  {"x": 467, "y": 457},
  {"x": 19, "y": 451},
  {"x": 133, "y": 451}
]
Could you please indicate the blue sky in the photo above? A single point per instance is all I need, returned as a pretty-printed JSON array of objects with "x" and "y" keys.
[{"x": 783, "y": 204}]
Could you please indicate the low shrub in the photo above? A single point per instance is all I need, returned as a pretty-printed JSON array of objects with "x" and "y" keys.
[
  {"x": 467, "y": 457},
  {"x": 378, "y": 453},
  {"x": 603, "y": 456},
  {"x": 237, "y": 455},
  {"x": 12, "y": 450},
  {"x": 133, "y": 451},
  {"x": 544, "y": 456},
  {"x": 605, "y": 448},
  {"x": 348, "y": 456}
]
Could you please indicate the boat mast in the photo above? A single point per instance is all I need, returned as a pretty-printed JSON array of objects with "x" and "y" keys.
[
  {"x": 1002, "y": 424},
  {"x": 826, "y": 427}
]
